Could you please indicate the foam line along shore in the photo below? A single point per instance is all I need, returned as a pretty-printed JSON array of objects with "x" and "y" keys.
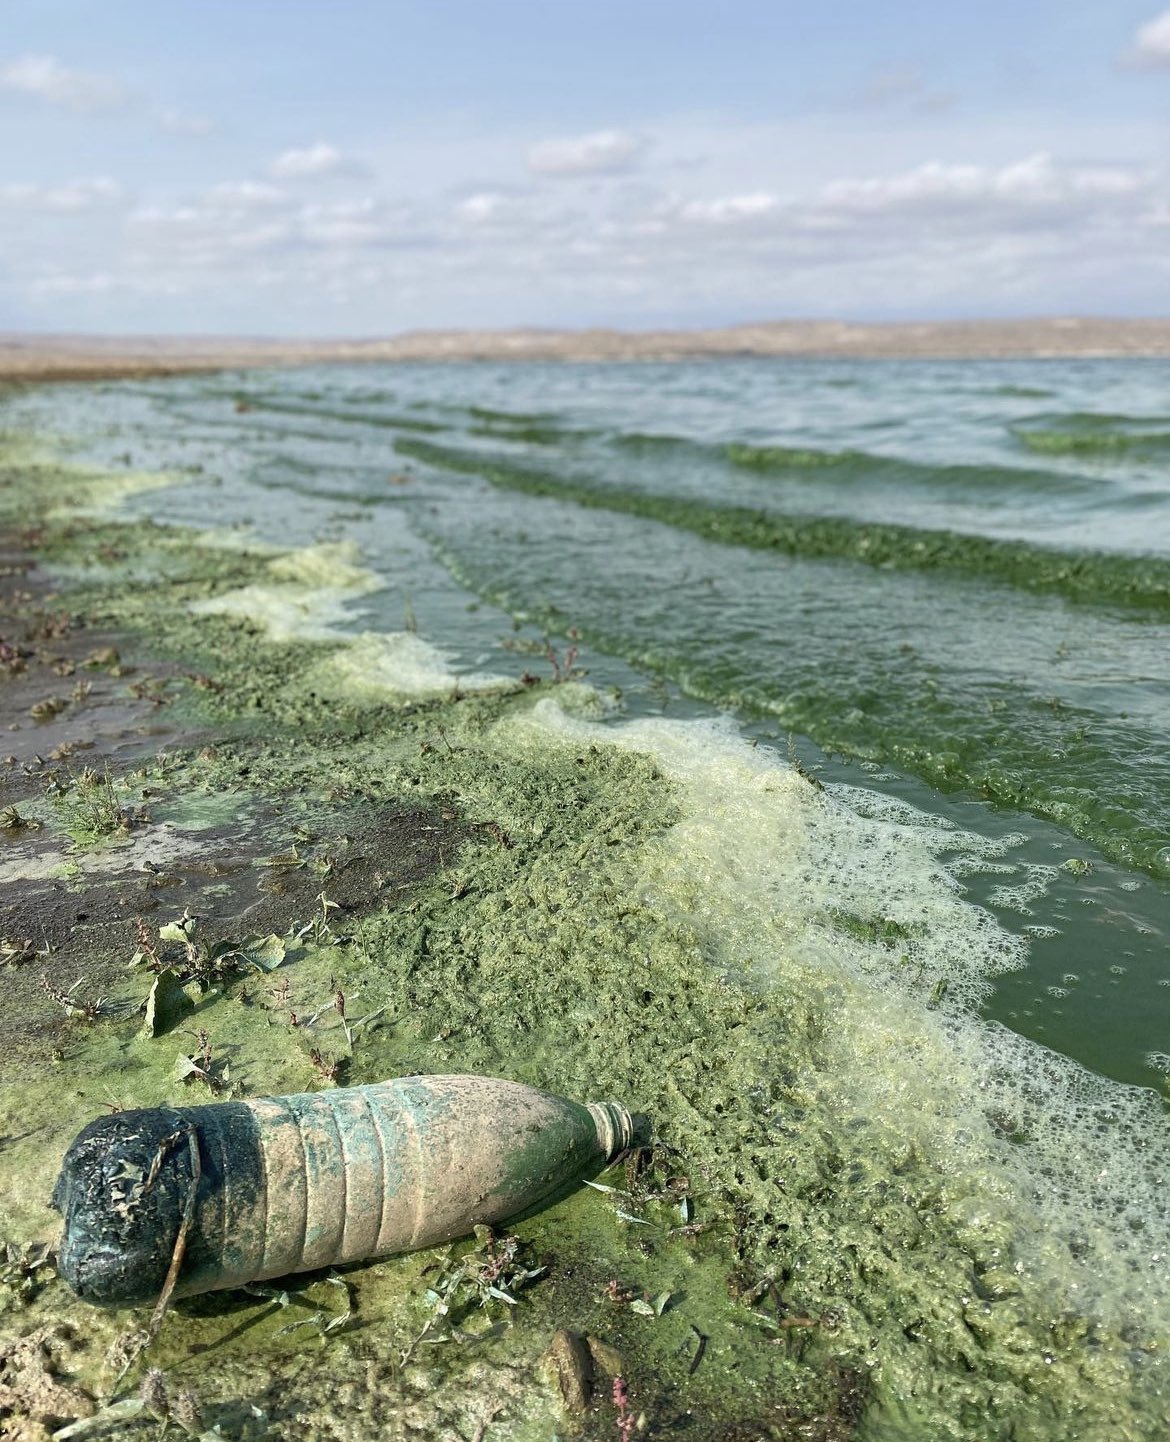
[{"x": 896, "y": 1215}]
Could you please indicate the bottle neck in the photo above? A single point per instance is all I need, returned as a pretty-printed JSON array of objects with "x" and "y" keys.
[{"x": 615, "y": 1127}]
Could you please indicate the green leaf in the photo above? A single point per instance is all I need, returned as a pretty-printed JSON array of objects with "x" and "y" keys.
[
  {"x": 181, "y": 930},
  {"x": 263, "y": 952},
  {"x": 166, "y": 1004}
]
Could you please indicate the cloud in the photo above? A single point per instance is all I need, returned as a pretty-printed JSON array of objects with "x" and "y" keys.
[
  {"x": 1151, "y": 44},
  {"x": 729, "y": 209},
  {"x": 868, "y": 217},
  {"x": 605, "y": 152},
  {"x": 311, "y": 161},
  {"x": 347, "y": 224},
  {"x": 482, "y": 206},
  {"x": 79, "y": 195},
  {"x": 44, "y": 77},
  {"x": 239, "y": 228},
  {"x": 1034, "y": 181},
  {"x": 246, "y": 195}
]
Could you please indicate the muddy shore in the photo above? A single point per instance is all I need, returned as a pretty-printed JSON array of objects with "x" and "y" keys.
[
  {"x": 71, "y": 358},
  {"x": 490, "y": 885},
  {"x": 194, "y": 776}
]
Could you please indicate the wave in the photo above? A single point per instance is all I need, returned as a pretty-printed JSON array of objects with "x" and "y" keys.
[
  {"x": 792, "y": 458},
  {"x": 246, "y": 401},
  {"x": 865, "y": 467},
  {"x": 1090, "y": 433},
  {"x": 533, "y": 429},
  {"x": 652, "y": 441},
  {"x": 856, "y": 467},
  {"x": 528, "y": 434},
  {"x": 510, "y": 418},
  {"x": 1088, "y": 577}
]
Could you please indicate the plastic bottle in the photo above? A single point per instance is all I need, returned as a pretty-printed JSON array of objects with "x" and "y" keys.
[{"x": 248, "y": 1190}]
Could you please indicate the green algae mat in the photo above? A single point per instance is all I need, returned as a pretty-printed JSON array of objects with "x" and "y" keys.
[{"x": 243, "y": 855}]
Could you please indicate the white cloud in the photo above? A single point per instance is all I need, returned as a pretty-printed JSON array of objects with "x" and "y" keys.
[
  {"x": 782, "y": 217},
  {"x": 78, "y": 195},
  {"x": 1151, "y": 44},
  {"x": 605, "y": 152},
  {"x": 1036, "y": 180},
  {"x": 482, "y": 206},
  {"x": 46, "y": 78},
  {"x": 311, "y": 160},
  {"x": 345, "y": 224},
  {"x": 730, "y": 208},
  {"x": 246, "y": 195}
]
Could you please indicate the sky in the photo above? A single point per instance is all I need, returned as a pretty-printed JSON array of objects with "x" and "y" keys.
[{"x": 365, "y": 167}]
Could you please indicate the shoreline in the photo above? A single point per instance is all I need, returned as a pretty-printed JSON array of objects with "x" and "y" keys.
[
  {"x": 496, "y": 883},
  {"x": 30, "y": 359}
]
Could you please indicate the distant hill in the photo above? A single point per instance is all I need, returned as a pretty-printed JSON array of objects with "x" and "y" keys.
[{"x": 66, "y": 357}]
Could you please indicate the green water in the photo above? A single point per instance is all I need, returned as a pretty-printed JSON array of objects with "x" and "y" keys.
[
  {"x": 943, "y": 588},
  {"x": 952, "y": 580}
]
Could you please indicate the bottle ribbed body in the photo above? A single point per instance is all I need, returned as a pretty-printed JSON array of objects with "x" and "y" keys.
[{"x": 293, "y": 1183}]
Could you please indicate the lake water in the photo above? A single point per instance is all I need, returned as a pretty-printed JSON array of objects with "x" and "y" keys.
[
  {"x": 942, "y": 589},
  {"x": 946, "y": 582}
]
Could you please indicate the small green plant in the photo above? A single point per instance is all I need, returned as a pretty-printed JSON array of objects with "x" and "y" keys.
[
  {"x": 94, "y": 807},
  {"x": 317, "y": 929},
  {"x": 204, "y": 961},
  {"x": 87, "y": 1009},
  {"x": 200, "y": 1065},
  {"x": 489, "y": 1275},
  {"x": 24, "y": 1270}
]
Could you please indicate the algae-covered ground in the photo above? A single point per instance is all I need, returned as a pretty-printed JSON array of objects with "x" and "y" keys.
[{"x": 324, "y": 883}]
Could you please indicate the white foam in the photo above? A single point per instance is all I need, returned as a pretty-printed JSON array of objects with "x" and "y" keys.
[
  {"x": 307, "y": 594},
  {"x": 1019, "y": 898},
  {"x": 395, "y": 665},
  {"x": 1074, "y": 1166}
]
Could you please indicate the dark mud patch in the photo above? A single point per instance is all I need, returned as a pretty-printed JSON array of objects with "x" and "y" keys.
[
  {"x": 96, "y": 751},
  {"x": 65, "y": 689},
  {"x": 75, "y": 936}
]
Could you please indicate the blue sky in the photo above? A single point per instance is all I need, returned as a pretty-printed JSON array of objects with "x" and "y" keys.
[{"x": 359, "y": 168}]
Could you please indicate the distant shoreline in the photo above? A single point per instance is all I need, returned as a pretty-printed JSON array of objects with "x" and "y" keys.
[{"x": 34, "y": 358}]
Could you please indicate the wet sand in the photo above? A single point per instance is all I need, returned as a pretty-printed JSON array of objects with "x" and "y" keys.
[{"x": 29, "y": 358}]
